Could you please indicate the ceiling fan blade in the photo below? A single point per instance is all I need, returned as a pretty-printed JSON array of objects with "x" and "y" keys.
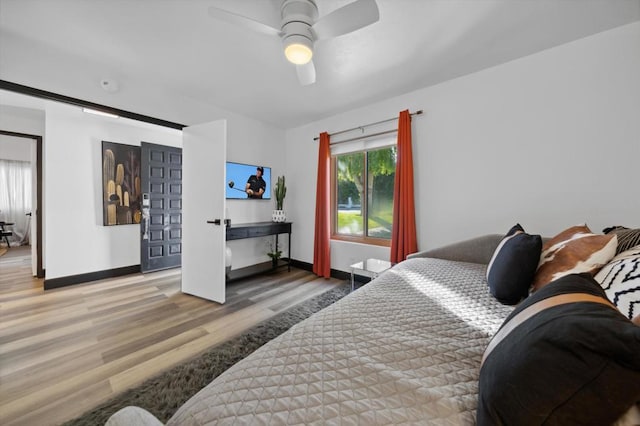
[
  {"x": 243, "y": 21},
  {"x": 306, "y": 73},
  {"x": 348, "y": 18}
]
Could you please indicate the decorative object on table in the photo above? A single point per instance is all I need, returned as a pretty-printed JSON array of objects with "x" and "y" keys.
[
  {"x": 280, "y": 192},
  {"x": 120, "y": 183},
  {"x": 274, "y": 253}
]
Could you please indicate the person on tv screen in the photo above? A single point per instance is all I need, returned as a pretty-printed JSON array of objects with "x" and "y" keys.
[{"x": 256, "y": 185}]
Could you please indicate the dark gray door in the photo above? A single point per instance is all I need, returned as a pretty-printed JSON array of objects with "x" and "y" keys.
[{"x": 161, "y": 225}]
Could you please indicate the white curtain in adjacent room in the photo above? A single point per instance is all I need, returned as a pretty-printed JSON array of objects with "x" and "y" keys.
[{"x": 15, "y": 198}]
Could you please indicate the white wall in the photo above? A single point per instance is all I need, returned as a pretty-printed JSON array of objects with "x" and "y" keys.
[
  {"x": 248, "y": 141},
  {"x": 253, "y": 142},
  {"x": 77, "y": 241},
  {"x": 74, "y": 138},
  {"x": 21, "y": 119},
  {"x": 549, "y": 140},
  {"x": 14, "y": 148}
]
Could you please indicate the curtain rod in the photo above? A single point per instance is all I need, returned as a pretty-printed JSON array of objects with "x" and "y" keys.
[
  {"x": 364, "y": 137},
  {"x": 419, "y": 112}
]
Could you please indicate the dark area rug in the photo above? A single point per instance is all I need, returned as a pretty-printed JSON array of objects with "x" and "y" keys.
[{"x": 165, "y": 393}]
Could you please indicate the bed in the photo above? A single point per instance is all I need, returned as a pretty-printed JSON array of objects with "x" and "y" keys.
[{"x": 405, "y": 348}]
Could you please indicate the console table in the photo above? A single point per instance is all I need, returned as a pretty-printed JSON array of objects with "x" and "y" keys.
[{"x": 260, "y": 229}]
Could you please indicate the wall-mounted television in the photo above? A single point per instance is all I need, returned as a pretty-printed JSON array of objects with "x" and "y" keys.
[{"x": 248, "y": 181}]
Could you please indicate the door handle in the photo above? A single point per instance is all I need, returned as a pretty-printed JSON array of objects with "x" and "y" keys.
[
  {"x": 215, "y": 221},
  {"x": 145, "y": 223}
]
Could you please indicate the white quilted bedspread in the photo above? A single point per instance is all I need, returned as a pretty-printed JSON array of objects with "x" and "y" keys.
[{"x": 403, "y": 349}]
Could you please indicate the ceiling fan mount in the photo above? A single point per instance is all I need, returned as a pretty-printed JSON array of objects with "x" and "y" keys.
[
  {"x": 300, "y": 27},
  {"x": 297, "y": 35}
]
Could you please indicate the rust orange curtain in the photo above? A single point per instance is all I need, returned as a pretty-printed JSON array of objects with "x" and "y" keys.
[
  {"x": 322, "y": 247},
  {"x": 403, "y": 235}
]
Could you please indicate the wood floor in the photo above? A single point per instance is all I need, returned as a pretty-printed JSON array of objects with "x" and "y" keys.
[{"x": 65, "y": 351}]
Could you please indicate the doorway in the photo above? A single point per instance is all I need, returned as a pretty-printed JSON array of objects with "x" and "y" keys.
[{"x": 32, "y": 231}]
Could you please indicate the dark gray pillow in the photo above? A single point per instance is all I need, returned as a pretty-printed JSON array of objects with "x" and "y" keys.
[
  {"x": 577, "y": 363},
  {"x": 513, "y": 266}
]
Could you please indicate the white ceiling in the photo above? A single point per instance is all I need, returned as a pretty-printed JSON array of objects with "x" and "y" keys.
[{"x": 173, "y": 44}]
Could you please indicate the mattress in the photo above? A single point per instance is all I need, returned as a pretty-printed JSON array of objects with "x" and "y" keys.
[{"x": 403, "y": 349}]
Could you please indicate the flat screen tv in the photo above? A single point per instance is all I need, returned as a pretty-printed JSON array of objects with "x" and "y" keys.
[{"x": 243, "y": 182}]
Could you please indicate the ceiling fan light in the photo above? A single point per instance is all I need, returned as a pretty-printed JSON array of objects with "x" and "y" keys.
[
  {"x": 298, "y": 49},
  {"x": 298, "y": 54}
]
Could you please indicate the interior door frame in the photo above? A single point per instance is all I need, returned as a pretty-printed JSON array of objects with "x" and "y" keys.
[{"x": 38, "y": 139}]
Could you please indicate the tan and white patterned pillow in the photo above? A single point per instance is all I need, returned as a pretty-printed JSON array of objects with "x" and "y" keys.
[{"x": 573, "y": 251}]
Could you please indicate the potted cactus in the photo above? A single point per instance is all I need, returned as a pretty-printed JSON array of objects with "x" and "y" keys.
[{"x": 280, "y": 191}]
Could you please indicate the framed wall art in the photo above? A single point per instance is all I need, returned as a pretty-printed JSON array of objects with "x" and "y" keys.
[{"x": 121, "y": 199}]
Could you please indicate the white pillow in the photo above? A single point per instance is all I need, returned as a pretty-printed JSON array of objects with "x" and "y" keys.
[{"x": 620, "y": 279}]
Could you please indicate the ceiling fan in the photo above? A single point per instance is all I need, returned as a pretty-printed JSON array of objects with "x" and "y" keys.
[{"x": 300, "y": 28}]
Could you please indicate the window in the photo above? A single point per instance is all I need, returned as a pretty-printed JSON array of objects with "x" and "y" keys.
[{"x": 362, "y": 195}]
